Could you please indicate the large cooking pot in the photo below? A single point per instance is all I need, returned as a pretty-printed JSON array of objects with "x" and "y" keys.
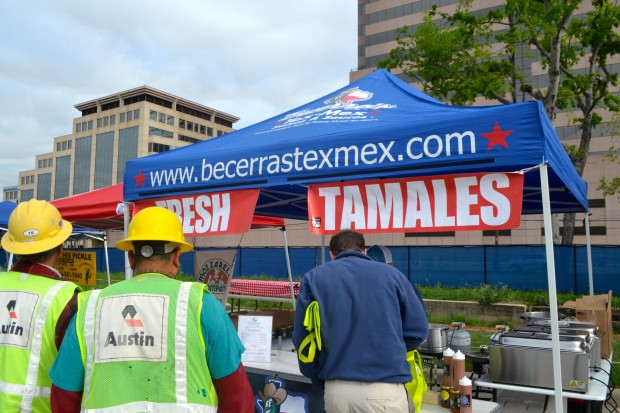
[{"x": 436, "y": 341}]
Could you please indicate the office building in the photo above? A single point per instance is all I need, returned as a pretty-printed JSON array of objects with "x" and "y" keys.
[
  {"x": 378, "y": 21},
  {"x": 112, "y": 130}
]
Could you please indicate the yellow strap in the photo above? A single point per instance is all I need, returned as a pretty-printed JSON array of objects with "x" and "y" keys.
[{"x": 312, "y": 322}]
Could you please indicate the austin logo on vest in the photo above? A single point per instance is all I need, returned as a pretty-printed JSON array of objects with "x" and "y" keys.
[
  {"x": 137, "y": 339},
  {"x": 12, "y": 327}
]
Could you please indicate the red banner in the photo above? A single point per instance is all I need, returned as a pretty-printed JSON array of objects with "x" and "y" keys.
[
  {"x": 427, "y": 204},
  {"x": 215, "y": 213}
]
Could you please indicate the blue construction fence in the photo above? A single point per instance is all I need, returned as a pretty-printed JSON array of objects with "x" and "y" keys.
[{"x": 517, "y": 267}]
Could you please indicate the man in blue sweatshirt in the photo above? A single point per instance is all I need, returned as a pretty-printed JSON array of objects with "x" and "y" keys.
[{"x": 370, "y": 316}]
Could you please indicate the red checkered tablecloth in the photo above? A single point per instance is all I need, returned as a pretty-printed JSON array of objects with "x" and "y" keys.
[{"x": 263, "y": 288}]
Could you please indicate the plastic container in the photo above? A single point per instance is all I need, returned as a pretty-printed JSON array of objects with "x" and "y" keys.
[
  {"x": 458, "y": 368},
  {"x": 448, "y": 354},
  {"x": 466, "y": 399},
  {"x": 459, "y": 338}
]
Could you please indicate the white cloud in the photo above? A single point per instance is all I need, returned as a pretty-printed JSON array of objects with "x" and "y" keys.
[{"x": 252, "y": 59}]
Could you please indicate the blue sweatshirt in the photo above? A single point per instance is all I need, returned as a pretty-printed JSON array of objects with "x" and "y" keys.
[{"x": 370, "y": 317}]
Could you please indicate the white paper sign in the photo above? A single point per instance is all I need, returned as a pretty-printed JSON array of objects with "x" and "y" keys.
[{"x": 255, "y": 334}]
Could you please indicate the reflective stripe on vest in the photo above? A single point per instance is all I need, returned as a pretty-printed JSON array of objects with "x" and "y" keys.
[
  {"x": 30, "y": 389},
  {"x": 89, "y": 337}
]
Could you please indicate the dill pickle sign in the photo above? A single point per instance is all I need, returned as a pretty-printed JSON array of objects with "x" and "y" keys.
[
  {"x": 216, "y": 270},
  {"x": 78, "y": 267}
]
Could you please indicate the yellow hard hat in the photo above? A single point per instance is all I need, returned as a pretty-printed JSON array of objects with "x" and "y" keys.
[
  {"x": 155, "y": 224},
  {"x": 35, "y": 226}
]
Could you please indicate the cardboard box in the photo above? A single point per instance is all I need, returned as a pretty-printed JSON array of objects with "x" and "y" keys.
[{"x": 597, "y": 309}]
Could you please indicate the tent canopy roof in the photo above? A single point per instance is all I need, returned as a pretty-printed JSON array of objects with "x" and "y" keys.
[
  {"x": 376, "y": 127},
  {"x": 101, "y": 209}
]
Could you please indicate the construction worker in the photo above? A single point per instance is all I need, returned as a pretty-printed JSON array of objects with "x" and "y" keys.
[
  {"x": 36, "y": 306},
  {"x": 151, "y": 343}
]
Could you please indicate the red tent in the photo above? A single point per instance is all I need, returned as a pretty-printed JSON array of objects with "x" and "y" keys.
[
  {"x": 98, "y": 209},
  {"x": 103, "y": 209}
]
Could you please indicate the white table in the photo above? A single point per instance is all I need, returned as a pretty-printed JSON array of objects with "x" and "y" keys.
[
  {"x": 597, "y": 391},
  {"x": 284, "y": 362}
]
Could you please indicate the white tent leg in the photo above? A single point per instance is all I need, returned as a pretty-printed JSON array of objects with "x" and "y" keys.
[
  {"x": 589, "y": 253},
  {"x": 128, "y": 271},
  {"x": 107, "y": 260},
  {"x": 288, "y": 267},
  {"x": 553, "y": 300}
]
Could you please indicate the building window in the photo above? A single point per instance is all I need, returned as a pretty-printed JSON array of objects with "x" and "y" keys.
[
  {"x": 105, "y": 121},
  {"x": 170, "y": 120},
  {"x": 112, "y": 119},
  {"x": 182, "y": 123},
  {"x": 189, "y": 139},
  {"x": 78, "y": 127},
  {"x": 129, "y": 115},
  {"x": 153, "y": 115},
  {"x": 209, "y": 131},
  {"x": 99, "y": 122},
  {"x": 162, "y": 117},
  {"x": 160, "y": 132},
  {"x": 121, "y": 117},
  {"x": 69, "y": 143},
  {"x": 90, "y": 125},
  {"x": 190, "y": 125},
  {"x": 136, "y": 114},
  {"x": 158, "y": 147},
  {"x": 203, "y": 129},
  {"x": 84, "y": 125}
]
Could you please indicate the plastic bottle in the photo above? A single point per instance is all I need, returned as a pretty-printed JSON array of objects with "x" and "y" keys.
[
  {"x": 458, "y": 368},
  {"x": 466, "y": 399},
  {"x": 448, "y": 355},
  {"x": 455, "y": 396}
]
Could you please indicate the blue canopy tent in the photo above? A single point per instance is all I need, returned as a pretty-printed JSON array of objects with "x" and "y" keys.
[
  {"x": 6, "y": 207},
  {"x": 377, "y": 127}
]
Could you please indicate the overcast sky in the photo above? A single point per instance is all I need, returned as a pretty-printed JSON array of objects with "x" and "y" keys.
[{"x": 250, "y": 58}]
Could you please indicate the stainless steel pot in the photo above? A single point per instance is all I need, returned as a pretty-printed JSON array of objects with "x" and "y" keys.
[
  {"x": 436, "y": 341},
  {"x": 534, "y": 316}
]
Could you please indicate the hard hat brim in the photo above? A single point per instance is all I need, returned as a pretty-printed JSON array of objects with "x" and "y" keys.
[{"x": 35, "y": 247}]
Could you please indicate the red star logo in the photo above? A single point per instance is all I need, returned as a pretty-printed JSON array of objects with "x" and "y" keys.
[
  {"x": 497, "y": 137},
  {"x": 139, "y": 179}
]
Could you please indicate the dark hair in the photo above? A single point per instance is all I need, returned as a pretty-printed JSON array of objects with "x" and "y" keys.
[
  {"x": 347, "y": 240},
  {"x": 38, "y": 257}
]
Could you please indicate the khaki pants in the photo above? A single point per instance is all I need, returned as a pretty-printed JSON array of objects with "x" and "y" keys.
[{"x": 359, "y": 397}]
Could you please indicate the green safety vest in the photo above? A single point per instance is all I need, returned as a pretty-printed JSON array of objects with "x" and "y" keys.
[
  {"x": 143, "y": 349},
  {"x": 30, "y": 306}
]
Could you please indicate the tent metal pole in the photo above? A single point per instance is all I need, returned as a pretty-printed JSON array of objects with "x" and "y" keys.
[
  {"x": 107, "y": 261},
  {"x": 589, "y": 254},
  {"x": 322, "y": 249},
  {"x": 553, "y": 301},
  {"x": 128, "y": 271},
  {"x": 288, "y": 267}
]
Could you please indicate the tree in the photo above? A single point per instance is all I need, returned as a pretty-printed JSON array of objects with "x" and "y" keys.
[{"x": 464, "y": 56}]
